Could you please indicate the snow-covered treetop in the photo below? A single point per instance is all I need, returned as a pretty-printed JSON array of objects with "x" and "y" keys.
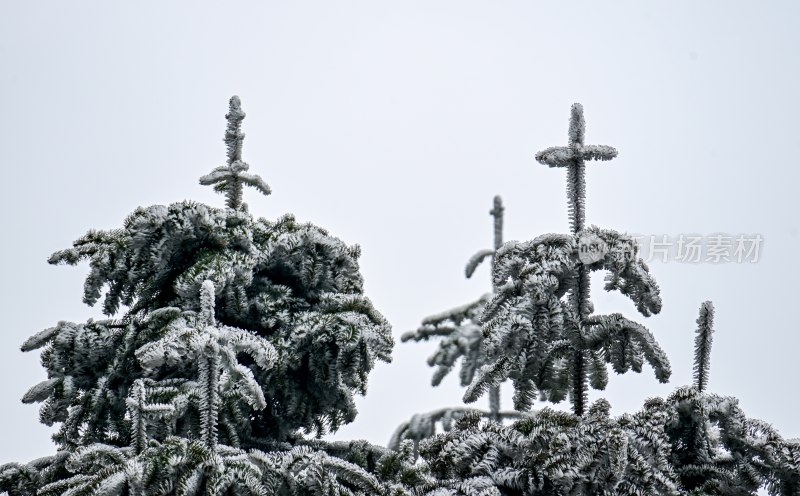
[
  {"x": 539, "y": 329},
  {"x": 230, "y": 179},
  {"x": 573, "y": 157},
  {"x": 702, "y": 344},
  {"x": 173, "y": 273}
]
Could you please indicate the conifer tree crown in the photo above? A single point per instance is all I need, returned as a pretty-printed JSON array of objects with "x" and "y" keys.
[{"x": 226, "y": 334}]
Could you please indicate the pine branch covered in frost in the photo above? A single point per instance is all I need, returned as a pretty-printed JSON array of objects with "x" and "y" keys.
[
  {"x": 702, "y": 344},
  {"x": 627, "y": 272},
  {"x": 138, "y": 409},
  {"x": 192, "y": 338},
  {"x": 231, "y": 178},
  {"x": 476, "y": 260},
  {"x": 178, "y": 466},
  {"x": 717, "y": 449},
  {"x": 424, "y": 425},
  {"x": 783, "y": 467},
  {"x": 624, "y": 343},
  {"x": 183, "y": 466},
  {"x": 41, "y": 391},
  {"x": 316, "y": 471},
  {"x": 81, "y": 368},
  {"x": 19, "y": 479},
  {"x": 462, "y": 337}
]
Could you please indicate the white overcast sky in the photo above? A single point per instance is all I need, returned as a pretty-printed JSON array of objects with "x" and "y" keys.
[{"x": 393, "y": 124}]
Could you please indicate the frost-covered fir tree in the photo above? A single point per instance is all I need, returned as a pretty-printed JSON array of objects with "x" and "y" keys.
[
  {"x": 539, "y": 329},
  {"x": 229, "y": 337},
  {"x": 462, "y": 339}
]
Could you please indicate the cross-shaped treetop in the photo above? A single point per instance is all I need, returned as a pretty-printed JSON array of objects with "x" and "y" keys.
[
  {"x": 573, "y": 158},
  {"x": 230, "y": 179}
]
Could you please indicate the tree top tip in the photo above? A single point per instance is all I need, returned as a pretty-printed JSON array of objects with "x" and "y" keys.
[{"x": 235, "y": 113}]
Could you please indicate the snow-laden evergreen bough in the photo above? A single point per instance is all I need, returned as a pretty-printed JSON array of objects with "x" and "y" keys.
[{"x": 554, "y": 453}]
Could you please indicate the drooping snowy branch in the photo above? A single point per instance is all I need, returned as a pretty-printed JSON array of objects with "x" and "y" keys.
[
  {"x": 624, "y": 344},
  {"x": 424, "y": 425},
  {"x": 462, "y": 337},
  {"x": 476, "y": 260}
]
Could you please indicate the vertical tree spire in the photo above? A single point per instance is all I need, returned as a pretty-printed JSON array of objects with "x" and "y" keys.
[
  {"x": 573, "y": 157},
  {"x": 230, "y": 179},
  {"x": 702, "y": 345},
  {"x": 497, "y": 213}
]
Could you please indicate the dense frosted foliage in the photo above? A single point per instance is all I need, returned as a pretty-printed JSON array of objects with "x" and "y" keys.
[
  {"x": 690, "y": 443},
  {"x": 231, "y": 342},
  {"x": 558, "y": 453},
  {"x": 290, "y": 284}
]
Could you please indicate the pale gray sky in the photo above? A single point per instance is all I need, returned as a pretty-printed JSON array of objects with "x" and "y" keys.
[{"x": 393, "y": 124}]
